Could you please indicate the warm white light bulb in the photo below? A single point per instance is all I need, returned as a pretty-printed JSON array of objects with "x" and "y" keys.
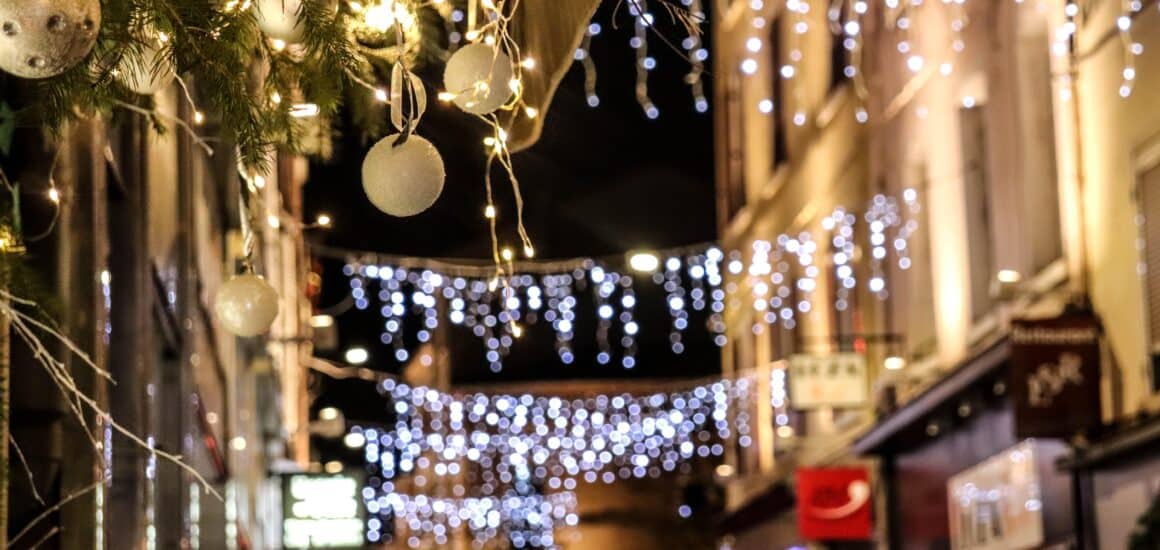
[
  {"x": 356, "y": 356},
  {"x": 644, "y": 262}
]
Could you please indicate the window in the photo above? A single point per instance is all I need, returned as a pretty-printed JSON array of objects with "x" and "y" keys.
[
  {"x": 780, "y": 152},
  {"x": 1148, "y": 197},
  {"x": 733, "y": 199},
  {"x": 978, "y": 209},
  {"x": 911, "y": 310},
  {"x": 1040, "y": 200},
  {"x": 837, "y": 61}
]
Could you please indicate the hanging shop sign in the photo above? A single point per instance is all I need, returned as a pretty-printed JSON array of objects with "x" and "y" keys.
[
  {"x": 996, "y": 505},
  {"x": 837, "y": 380},
  {"x": 1055, "y": 371},
  {"x": 322, "y": 511},
  {"x": 834, "y": 503}
]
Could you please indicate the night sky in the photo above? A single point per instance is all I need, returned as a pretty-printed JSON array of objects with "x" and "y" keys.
[{"x": 601, "y": 181}]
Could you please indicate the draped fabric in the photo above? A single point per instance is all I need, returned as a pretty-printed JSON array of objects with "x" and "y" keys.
[{"x": 548, "y": 31}]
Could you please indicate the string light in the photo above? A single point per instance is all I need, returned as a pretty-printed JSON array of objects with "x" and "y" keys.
[
  {"x": 639, "y": 42},
  {"x": 783, "y": 275},
  {"x": 422, "y": 520},
  {"x": 697, "y": 61},
  {"x": 584, "y": 56},
  {"x": 553, "y": 440},
  {"x": 515, "y": 460},
  {"x": 1132, "y": 49}
]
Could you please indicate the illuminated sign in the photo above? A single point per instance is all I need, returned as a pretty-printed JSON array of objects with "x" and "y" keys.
[
  {"x": 996, "y": 505},
  {"x": 834, "y": 503},
  {"x": 836, "y": 380},
  {"x": 1055, "y": 374},
  {"x": 322, "y": 511}
]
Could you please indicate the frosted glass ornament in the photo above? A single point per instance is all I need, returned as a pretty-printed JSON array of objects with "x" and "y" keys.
[
  {"x": 279, "y": 19},
  {"x": 246, "y": 305},
  {"x": 479, "y": 76},
  {"x": 403, "y": 180},
  {"x": 43, "y": 38}
]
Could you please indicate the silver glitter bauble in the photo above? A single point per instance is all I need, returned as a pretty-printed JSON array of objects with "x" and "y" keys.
[{"x": 43, "y": 38}]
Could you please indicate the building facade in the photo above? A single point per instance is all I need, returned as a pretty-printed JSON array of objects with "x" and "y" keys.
[
  {"x": 146, "y": 231},
  {"x": 921, "y": 175}
]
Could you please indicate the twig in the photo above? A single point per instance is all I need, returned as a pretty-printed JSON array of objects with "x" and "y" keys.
[
  {"x": 59, "y": 374},
  {"x": 52, "y": 332},
  {"x": 51, "y": 533},
  {"x": 67, "y": 499},
  {"x": 660, "y": 36},
  {"x": 340, "y": 372},
  {"x": 27, "y": 469},
  {"x": 176, "y": 120}
]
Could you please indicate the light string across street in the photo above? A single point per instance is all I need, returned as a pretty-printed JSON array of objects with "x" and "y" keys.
[
  {"x": 778, "y": 277},
  {"x": 504, "y": 459}
]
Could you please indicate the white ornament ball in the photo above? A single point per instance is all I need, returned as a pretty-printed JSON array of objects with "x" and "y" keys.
[
  {"x": 147, "y": 71},
  {"x": 480, "y": 76},
  {"x": 403, "y": 180},
  {"x": 43, "y": 38},
  {"x": 246, "y": 305},
  {"x": 279, "y": 19}
]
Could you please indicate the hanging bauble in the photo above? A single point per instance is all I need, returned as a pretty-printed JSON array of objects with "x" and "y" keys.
[
  {"x": 147, "y": 70},
  {"x": 246, "y": 305},
  {"x": 403, "y": 179},
  {"x": 43, "y": 38},
  {"x": 376, "y": 29},
  {"x": 479, "y": 75},
  {"x": 279, "y": 19}
]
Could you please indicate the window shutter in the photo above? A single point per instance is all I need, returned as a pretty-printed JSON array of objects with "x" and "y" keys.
[{"x": 1149, "y": 196}]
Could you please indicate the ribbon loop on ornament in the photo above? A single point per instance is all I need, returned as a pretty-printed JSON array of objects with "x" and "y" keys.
[{"x": 408, "y": 101}]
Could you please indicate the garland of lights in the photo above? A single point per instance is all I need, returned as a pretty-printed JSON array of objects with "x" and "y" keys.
[
  {"x": 846, "y": 19},
  {"x": 783, "y": 274},
  {"x": 503, "y": 450},
  {"x": 521, "y": 521}
]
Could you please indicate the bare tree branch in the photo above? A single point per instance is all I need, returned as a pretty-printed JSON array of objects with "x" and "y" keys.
[
  {"x": 49, "y": 511},
  {"x": 27, "y": 469}
]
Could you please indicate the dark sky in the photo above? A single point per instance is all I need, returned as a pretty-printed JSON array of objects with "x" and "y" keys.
[{"x": 601, "y": 181}]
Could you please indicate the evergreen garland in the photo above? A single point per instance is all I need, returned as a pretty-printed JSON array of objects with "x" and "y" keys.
[{"x": 217, "y": 48}]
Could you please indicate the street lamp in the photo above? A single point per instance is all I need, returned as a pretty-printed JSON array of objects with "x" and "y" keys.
[{"x": 644, "y": 262}]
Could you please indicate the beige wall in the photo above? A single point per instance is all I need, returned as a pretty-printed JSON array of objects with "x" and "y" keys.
[
  {"x": 1117, "y": 137},
  {"x": 1060, "y": 200}
]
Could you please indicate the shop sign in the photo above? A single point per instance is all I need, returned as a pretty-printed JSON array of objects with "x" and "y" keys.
[
  {"x": 996, "y": 505},
  {"x": 834, "y": 503},
  {"x": 322, "y": 511},
  {"x": 1055, "y": 370},
  {"x": 836, "y": 380}
]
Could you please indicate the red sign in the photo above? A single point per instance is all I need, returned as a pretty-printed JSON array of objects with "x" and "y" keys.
[{"x": 834, "y": 503}]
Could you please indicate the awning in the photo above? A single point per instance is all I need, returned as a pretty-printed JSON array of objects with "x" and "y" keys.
[
  {"x": 1122, "y": 443},
  {"x": 910, "y": 419}
]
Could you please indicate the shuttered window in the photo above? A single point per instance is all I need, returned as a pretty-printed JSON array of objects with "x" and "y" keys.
[{"x": 1149, "y": 198}]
